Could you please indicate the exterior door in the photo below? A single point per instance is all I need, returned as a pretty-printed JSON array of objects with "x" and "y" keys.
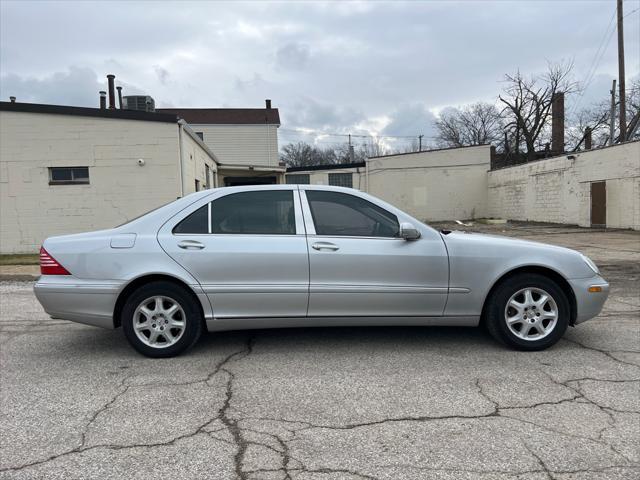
[
  {"x": 360, "y": 267},
  {"x": 599, "y": 204},
  {"x": 247, "y": 250}
]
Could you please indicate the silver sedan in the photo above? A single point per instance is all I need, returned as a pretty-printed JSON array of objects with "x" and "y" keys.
[{"x": 300, "y": 256}]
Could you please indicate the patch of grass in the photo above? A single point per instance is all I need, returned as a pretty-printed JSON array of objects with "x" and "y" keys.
[{"x": 20, "y": 259}]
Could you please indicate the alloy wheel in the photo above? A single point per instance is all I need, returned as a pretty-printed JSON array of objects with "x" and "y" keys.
[
  {"x": 531, "y": 314},
  {"x": 159, "y": 321}
]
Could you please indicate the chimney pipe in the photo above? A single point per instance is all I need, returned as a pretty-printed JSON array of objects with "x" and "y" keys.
[
  {"x": 12, "y": 99},
  {"x": 557, "y": 123},
  {"x": 588, "y": 138},
  {"x": 112, "y": 91},
  {"x": 119, "y": 88},
  {"x": 268, "y": 103},
  {"x": 103, "y": 99}
]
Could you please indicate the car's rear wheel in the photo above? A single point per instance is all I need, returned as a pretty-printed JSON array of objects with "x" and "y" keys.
[
  {"x": 527, "y": 311},
  {"x": 161, "y": 319}
]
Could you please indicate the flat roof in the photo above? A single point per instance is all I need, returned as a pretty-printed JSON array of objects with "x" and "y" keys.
[
  {"x": 225, "y": 116},
  {"x": 431, "y": 150},
  {"x": 87, "y": 112}
]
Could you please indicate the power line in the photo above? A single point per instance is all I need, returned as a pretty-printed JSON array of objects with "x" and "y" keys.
[
  {"x": 595, "y": 62},
  {"x": 318, "y": 133}
]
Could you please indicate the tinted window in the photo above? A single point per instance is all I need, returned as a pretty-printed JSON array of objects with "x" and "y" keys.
[
  {"x": 337, "y": 213},
  {"x": 267, "y": 213},
  {"x": 197, "y": 222}
]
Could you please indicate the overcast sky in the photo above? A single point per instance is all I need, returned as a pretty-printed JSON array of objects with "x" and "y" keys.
[{"x": 375, "y": 67}]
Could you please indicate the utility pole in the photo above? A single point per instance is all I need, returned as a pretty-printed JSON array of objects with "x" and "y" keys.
[
  {"x": 612, "y": 115},
  {"x": 623, "y": 112},
  {"x": 420, "y": 142},
  {"x": 351, "y": 160}
]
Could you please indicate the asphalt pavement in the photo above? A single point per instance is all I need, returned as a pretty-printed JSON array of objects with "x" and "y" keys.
[{"x": 329, "y": 403}]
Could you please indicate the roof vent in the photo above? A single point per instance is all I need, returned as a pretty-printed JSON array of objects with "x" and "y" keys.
[{"x": 143, "y": 103}]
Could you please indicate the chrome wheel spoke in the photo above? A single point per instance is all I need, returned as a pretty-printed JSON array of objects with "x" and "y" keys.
[
  {"x": 146, "y": 325},
  {"x": 172, "y": 310}
]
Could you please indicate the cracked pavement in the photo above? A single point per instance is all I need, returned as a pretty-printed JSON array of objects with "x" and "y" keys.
[{"x": 330, "y": 403}]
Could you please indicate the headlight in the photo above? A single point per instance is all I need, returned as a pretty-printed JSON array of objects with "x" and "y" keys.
[{"x": 589, "y": 262}]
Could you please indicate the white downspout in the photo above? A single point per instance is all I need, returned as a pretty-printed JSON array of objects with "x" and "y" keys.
[
  {"x": 181, "y": 156},
  {"x": 366, "y": 169}
]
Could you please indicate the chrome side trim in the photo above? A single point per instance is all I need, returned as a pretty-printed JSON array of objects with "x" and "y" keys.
[{"x": 459, "y": 290}]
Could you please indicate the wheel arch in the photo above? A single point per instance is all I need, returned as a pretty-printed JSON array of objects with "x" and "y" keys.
[
  {"x": 137, "y": 282},
  {"x": 541, "y": 270}
]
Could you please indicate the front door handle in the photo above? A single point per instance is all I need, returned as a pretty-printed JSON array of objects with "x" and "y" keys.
[
  {"x": 191, "y": 245},
  {"x": 325, "y": 246}
]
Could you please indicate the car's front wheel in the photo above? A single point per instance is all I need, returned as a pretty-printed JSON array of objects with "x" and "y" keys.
[
  {"x": 528, "y": 312},
  {"x": 161, "y": 319}
]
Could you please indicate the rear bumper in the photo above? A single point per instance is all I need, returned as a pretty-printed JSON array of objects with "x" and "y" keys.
[
  {"x": 82, "y": 301},
  {"x": 589, "y": 304}
]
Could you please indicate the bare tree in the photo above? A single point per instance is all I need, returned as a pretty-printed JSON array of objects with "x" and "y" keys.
[
  {"x": 302, "y": 154},
  {"x": 476, "y": 124},
  {"x": 598, "y": 117},
  {"x": 528, "y": 102}
]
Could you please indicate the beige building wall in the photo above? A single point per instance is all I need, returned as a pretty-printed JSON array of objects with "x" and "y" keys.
[
  {"x": 321, "y": 177},
  {"x": 197, "y": 157},
  {"x": 120, "y": 189},
  {"x": 242, "y": 144},
  {"x": 559, "y": 189},
  {"x": 435, "y": 185}
]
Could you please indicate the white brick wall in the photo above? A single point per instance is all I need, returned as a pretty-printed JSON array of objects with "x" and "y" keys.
[
  {"x": 559, "y": 189},
  {"x": 119, "y": 189}
]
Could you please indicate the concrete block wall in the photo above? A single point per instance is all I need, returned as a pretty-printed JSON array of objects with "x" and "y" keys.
[
  {"x": 558, "y": 189},
  {"x": 445, "y": 184},
  {"x": 119, "y": 189}
]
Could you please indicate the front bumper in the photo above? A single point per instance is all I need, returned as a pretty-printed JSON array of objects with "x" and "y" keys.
[
  {"x": 83, "y": 301},
  {"x": 589, "y": 304}
]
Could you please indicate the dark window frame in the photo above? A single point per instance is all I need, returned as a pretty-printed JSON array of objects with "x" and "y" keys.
[{"x": 72, "y": 174}]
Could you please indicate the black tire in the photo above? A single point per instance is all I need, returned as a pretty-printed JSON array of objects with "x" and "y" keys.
[
  {"x": 496, "y": 305},
  {"x": 193, "y": 321}
]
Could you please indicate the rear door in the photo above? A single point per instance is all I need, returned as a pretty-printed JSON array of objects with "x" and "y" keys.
[
  {"x": 248, "y": 251},
  {"x": 360, "y": 267}
]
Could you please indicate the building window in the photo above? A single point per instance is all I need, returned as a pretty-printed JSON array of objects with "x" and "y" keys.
[
  {"x": 207, "y": 180},
  {"x": 68, "y": 175},
  {"x": 197, "y": 185},
  {"x": 201, "y": 135},
  {"x": 298, "y": 179},
  {"x": 341, "y": 179}
]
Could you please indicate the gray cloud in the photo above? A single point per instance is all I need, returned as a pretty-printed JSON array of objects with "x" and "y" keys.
[
  {"x": 293, "y": 56},
  {"x": 78, "y": 86},
  {"x": 328, "y": 66},
  {"x": 162, "y": 73}
]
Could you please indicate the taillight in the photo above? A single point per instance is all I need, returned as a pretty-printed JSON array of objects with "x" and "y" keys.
[{"x": 49, "y": 265}]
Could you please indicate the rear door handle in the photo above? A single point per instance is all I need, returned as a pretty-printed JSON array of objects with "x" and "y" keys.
[
  {"x": 325, "y": 246},
  {"x": 191, "y": 245}
]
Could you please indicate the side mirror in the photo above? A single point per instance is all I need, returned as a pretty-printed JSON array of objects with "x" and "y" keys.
[{"x": 408, "y": 231}]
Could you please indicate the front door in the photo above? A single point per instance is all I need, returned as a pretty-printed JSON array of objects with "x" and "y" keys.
[
  {"x": 247, "y": 250},
  {"x": 360, "y": 267},
  {"x": 599, "y": 204}
]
